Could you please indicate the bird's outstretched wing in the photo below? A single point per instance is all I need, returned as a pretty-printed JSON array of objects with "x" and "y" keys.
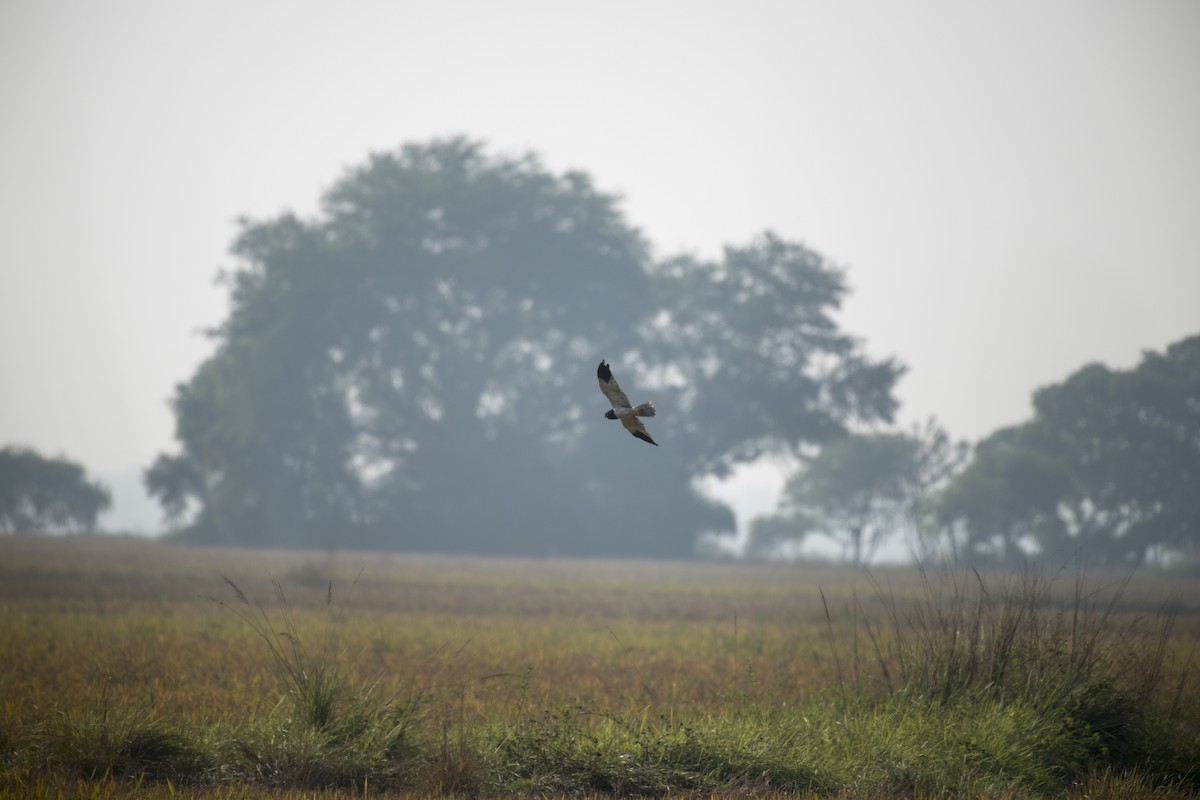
[
  {"x": 608, "y": 385},
  {"x": 635, "y": 426}
]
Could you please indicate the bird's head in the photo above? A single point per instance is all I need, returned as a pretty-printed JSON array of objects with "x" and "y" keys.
[{"x": 610, "y": 414}]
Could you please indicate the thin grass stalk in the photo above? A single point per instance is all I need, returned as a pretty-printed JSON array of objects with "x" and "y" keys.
[{"x": 833, "y": 648}]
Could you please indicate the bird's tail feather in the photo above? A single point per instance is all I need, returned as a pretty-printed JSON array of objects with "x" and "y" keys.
[{"x": 645, "y": 410}]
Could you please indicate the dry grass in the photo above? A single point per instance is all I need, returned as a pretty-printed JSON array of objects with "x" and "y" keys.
[
  {"x": 491, "y": 648},
  {"x": 138, "y": 618}
]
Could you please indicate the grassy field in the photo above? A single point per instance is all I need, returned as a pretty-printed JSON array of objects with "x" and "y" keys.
[{"x": 138, "y": 669}]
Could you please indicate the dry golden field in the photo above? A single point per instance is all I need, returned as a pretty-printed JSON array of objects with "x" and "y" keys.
[
  {"x": 137, "y": 620},
  {"x": 91, "y": 624}
]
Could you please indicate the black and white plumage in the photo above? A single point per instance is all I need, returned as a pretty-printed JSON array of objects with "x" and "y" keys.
[{"x": 621, "y": 409}]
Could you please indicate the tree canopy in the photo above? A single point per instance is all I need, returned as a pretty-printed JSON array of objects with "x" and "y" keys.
[
  {"x": 40, "y": 494},
  {"x": 415, "y": 368},
  {"x": 1007, "y": 497},
  {"x": 855, "y": 486},
  {"x": 1109, "y": 463},
  {"x": 862, "y": 488}
]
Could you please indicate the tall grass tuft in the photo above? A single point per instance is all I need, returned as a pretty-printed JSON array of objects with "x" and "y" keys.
[
  {"x": 337, "y": 733},
  {"x": 313, "y": 678},
  {"x": 109, "y": 741},
  {"x": 1075, "y": 659}
]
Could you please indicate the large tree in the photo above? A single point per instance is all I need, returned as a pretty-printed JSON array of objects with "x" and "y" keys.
[
  {"x": 1109, "y": 466},
  {"x": 41, "y": 494},
  {"x": 1131, "y": 439},
  {"x": 415, "y": 367}
]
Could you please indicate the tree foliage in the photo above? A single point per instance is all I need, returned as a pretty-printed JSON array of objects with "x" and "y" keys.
[
  {"x": 1110, "y": 462},
  {"x": 863, "y": 488},
  {"x": 415, "y": 367},
  {"x": 760, "y": 364},
  {"x": 1007, "y": 495},
  {"x": 40, "y": 494},
  {"x": 1108, "y": 468},
  {"x": 856, "y": 485}
]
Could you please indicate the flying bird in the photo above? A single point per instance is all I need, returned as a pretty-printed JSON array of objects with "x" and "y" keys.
[{"x": 620, "y": 405}]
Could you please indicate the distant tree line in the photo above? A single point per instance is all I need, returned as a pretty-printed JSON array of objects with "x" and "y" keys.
[
  {"x": 414, "y": 367},
  {"x": 1108, "y": 466},
  {"x": 39, "y": 494}
]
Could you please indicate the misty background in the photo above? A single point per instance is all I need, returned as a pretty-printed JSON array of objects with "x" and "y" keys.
[{"x": 1013, "y": 191}]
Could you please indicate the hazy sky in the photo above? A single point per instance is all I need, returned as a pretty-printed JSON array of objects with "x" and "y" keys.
[{"x": 1013, "y": 187}]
